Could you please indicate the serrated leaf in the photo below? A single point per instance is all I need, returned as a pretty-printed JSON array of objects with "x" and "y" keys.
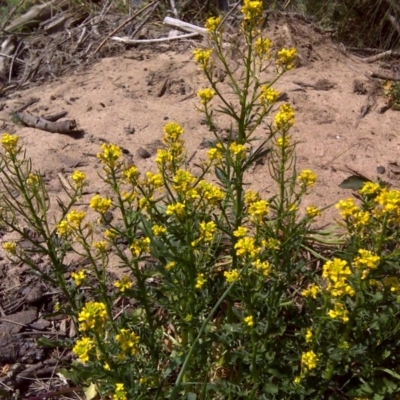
[{"x": 354, "y": 182}]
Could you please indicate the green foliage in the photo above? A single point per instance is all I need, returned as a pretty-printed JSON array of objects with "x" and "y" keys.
[{"x": 227, "y": 302}]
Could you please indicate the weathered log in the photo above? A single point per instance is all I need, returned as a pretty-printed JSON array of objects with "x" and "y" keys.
[
  {"x": 6, "y": 50},
  {"x": 67, "y": 126}
]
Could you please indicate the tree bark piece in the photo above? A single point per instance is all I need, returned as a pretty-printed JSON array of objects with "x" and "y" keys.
[
  {"x": 67, "y": 126},
  {"x": 177, "y": 23}
]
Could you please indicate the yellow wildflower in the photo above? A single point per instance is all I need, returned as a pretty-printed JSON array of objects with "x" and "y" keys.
[
  {"x": 158, "y": 230},
  {"x": 337, "y": 271},
  {"x": 171, "y": 265},
  {"x": 119, "y": 393},
  {"x": 284, "y": 119},
  {"x": 92, "y": 317},
  {"x": 309, "y": 335},
  {"x": 177, "y": 209},
  {"x": 200, "y": 281},
  {"x": 366, "y": 259},
  {"x": 100, "y": 204},
  {"x": 78, "y": 277},
  {"x": 347, "y": 208},
  {"x": 339, "y": 312},
  {"x": 212, "y": 24},
  {"x": 83, "y": 348},
  {"x": 206, "y": 95},
  {"x": 312, "y": 291},
  {"x": 128, "y": 341},
  {"x": 231, "y": 276},
  {"x": 252, "y": 9},
  {"x": 33, "y": 179},
  {"x": 10, "y": 247},
  {"x": 123, "y": 284},
  {"x": 262, "y": 266},
  {"x": 306, "y": 178},
  {"x": 250, "y": 197},
  {"x": 286, "y": 58},
  {"x": 10, "y": 143},
  {"x": 268, "y": 96},
  {"x": 262, "y": 46},
  {"x": 100, "y": 246},
  {"x": 258, "y": 210},
  {"x": 309, "y": 360},
  {"x": 240, "y": 232},
  {"x": 110, "y": 155},
  {"x": 271, "y": 244},
  {"x": 245, "y": 246},
  {"x": 313, "y": 212},
  {"x": 370, "y": 189},
  {"x": 249, "y": 321},
  {"x": 75, "y": 218},
  {"x": 131, "y": 174},
  {"x": 202, "y": 57},
  {"x": 139, "y": 246},
  {"x": 78, "y": 178}
]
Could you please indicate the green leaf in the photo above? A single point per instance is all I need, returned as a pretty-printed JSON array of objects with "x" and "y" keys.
[
  {"x": 271, "y": 388},
  {"x": 192, "y": 396},
  {"x": 388, "y": 371},
  {"x": 354, "y": 182}
]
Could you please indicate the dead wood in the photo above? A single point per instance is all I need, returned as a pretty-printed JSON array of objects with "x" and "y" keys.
[
  {"x": 386, "y": 77},
  {"x": 142, "y": 41},
  {"x": 67, "y": 126},
  {"x": 155, "y": 2},
  {"x": 379, "y": 56},
  {"x": 37, "y": 14},
  {"x": 55, "y": 117},
  {"x": 185, "y": 26},
  {"x": 6, "y": 49}
]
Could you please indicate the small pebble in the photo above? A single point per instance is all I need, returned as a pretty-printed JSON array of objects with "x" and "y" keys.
[
  {"x": 143, "y": 153},
  {"x": 380, "y": 169}
]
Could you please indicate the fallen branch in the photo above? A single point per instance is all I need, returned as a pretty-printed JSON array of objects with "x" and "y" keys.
[
  {"x": 122, "y": 25},
  {"x": 386, "y": 77},
  {"x": 378, "y": 56},
  {"x": 164, "y": 39},
  {"x": 55, "y": 117},
  {"x": 177, "y": 23},
  {"x": 67, "y": 126}
]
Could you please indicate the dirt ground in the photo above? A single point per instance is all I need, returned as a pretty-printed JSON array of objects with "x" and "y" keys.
[{"x": 127, "y": 99}]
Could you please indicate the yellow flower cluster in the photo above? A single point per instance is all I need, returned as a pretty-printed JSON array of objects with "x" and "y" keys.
[
  {"x": 306, "y": 179},
  {"x": 177, "y": 209},
  {"x": 268, "y": 96},
  {"x": 128, "y": 341},
  {"x": 100, "y": 204},
  {"x": 100, "y": 246},
  {"x": 119, "y": 393},
  {"x": 206, "y": 95},
  {"x": 131, "y": 175},
  {"x": 183, "y": 181},
  {"x": 78, "y": 277},
  {"x": 309, "y": 335},
  {"x": 207, "y": 232},
  {"x": 339, "y": 312},
  {"x": 231, "y": 276},
  {"x": 246, "y": 247},
  {"x": 158, "y": 230},
  {"x": 110, "y": 156},
  {"x": 284, "y": 119},
  {"x": 309, "y": 360},
  {"x": 286, "y": 58},
  {"x": 262, "y": 46},
  {"x": 262, "y": 266},
  {"x": 370, "y": 189},
  {"x": 200, "y": 281},
  {"x": 212, "y": 24},
  {"x": 366, "y": 261},
  {"x": 33, "y": 179},
  {"x": 239, "y": 150},
  {"x": 83, "y": 348},
  {"x": 252, "y": 10},
  {"x": 313, "y": 212},
  {"x": 93, "y": 317},
  {"x": 249, "y": 321},
  {"x": 10, "y": 247},
  {"x": 140, "y": 246},
  {"x": 123, "y": 284},
  {"x": 312, "y": 291},
  {"x": 258, "y": 210},
  {"x": 71, "y": 223},
  {"x": 10, "y": 143},
  {"x": 202, "y": 57},
  {"x": 337, "y": 271},
  {"x": 78, "y": 177}
]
